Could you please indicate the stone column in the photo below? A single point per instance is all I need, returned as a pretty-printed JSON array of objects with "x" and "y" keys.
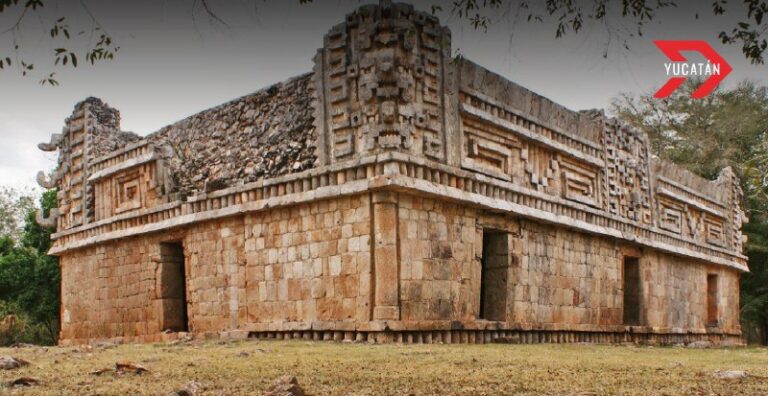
[{"x": 386, "y": 278}]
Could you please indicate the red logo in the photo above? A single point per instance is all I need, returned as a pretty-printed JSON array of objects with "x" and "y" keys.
[{"x": 716, "y": 67}]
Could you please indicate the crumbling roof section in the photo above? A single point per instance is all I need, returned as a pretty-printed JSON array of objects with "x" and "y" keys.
[
  {"x": 261, "y": 135},
  {"x": 106, "y": 136}
]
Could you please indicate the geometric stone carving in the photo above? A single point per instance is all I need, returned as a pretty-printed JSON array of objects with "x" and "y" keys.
[
  {"x": 127, "y": 192},
  {"x": 714, "y": 230},
  {"x": 671, "y": 215},
  {"x": 579, "y": 183},
  {"x": 488, "y": 156},
  {"x": 92, "y": 131},
  {"x": 694, "y": 224},
  {"x": 734, "y": 196},
  {"x": 382, "y": 73},
  {"x": 541, "y": 168},
  {"x": 628, "y": 190}
]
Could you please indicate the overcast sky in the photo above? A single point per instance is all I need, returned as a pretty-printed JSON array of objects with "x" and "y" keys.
[{"x": 174, "y": 62}]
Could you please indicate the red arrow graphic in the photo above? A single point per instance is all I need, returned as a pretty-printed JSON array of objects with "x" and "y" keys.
[{"x": 673, "y": 48}]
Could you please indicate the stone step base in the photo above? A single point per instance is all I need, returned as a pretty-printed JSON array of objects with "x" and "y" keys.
[{"x": 503, "y": 336}]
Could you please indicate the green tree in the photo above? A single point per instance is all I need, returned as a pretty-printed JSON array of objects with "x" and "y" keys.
[
  {"x": 30, "y": 279},
  {"x": 727, "y": 128},
  {"x": 14, "y": 206}
]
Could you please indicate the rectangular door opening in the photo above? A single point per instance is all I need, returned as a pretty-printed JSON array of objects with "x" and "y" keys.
[
  {"x": 494, "y": 274},
  {"x": 712, "y": 314},
  {"x": 172, "y": 287},
  {"x": 631, "y": 283}
]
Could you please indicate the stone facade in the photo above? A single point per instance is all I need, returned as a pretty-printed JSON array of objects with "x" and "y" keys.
[{"x": 392, "y": 194}]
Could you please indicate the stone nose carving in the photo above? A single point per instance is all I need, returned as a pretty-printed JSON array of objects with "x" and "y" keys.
[
  {"x": 49, "y": 221},
  {"x": 44, "y": 182},
  {"x": 53, "y": 145}
]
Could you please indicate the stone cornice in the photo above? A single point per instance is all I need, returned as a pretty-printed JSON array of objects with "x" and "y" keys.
[
  {"x": 502, "y": 123},
  {"x": 401, "y": 172},
  {"x": 702, "y": 207},
  {"x": 136, "y": 161}
]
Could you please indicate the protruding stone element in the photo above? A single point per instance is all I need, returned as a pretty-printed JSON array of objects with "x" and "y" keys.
[
  {"x": 42, "y": 181},
  {"x": 734, "y": 195},
  {"x": 49, "y": 221},
  {"x": 53, "y": 145}
]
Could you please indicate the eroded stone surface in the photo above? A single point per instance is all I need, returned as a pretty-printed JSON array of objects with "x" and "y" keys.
[{"x": 265, "y": 134}]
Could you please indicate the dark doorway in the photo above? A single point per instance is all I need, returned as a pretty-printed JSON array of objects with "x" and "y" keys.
[
  {"x": 172, "y": 290},
  {"x": 632, "y": 290},
  {"x": 494, "y": 274},
  {"x": 712, "y": 316}
]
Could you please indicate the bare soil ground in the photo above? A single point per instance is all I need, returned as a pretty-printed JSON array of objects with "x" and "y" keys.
[{"x": 324, "y": 368}]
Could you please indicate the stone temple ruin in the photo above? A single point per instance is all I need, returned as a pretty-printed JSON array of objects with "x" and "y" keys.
[{"x": 392, "y": 194}]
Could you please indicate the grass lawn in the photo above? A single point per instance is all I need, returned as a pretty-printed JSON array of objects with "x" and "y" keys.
[{"x": 324, "y": 368}]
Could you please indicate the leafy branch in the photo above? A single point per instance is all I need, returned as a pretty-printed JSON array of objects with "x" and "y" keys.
[
  {"x": 622, "y": 20},
  {"x": 61, "y": 36}
]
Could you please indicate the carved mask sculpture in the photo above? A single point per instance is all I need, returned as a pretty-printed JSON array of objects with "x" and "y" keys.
[{"x": 382, "y": 77}]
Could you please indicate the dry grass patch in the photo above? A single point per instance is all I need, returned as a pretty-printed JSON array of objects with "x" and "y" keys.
[{"x": 323, "y": 368}]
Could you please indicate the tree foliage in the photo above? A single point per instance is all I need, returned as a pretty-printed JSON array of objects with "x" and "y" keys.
[
  {"x": 30, "y": 279},
  {"x": 728, "y": 128},
  {"x": 14, "y": 206},
  {"x": 622, "y": 20}
]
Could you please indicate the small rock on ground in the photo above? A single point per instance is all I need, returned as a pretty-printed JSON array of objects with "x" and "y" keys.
[
  {"x": 285, "y": 386},
  {"x": 23, "y": 381},
  {"x": 730, "y": 374},
  {"x": 699, "y": 345},
  {"x": 192, "y": 388},
  {"x": 10, "y": 363}
]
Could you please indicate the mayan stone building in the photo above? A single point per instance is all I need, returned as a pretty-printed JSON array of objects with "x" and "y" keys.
[{"x": 391, "y": 194}]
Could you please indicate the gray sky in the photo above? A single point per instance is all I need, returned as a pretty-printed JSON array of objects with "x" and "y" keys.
[{"x": 172, "y": 65}]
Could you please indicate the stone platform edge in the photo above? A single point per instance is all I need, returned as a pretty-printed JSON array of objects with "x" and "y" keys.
[{"x": 486, "y": 336}]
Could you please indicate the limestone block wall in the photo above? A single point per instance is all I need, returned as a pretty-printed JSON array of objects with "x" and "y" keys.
[
  {"x": 308, "y": 264},
  {"x": 215, "y": 264},
  {"x": 313, "y": 267},
  {"x": 565, "y": 278},
  {"x": 294, "y": 267},
  {"x": 559, "y": 279},
  {"x": 676, "y": 292},
  {"x": 439, "y": 271},
  {"x": 575, "y": 279},
  {"x": 108, "y": 291}
]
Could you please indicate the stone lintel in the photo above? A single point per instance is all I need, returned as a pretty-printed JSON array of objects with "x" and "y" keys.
[{"x": 384, "y": 196}]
